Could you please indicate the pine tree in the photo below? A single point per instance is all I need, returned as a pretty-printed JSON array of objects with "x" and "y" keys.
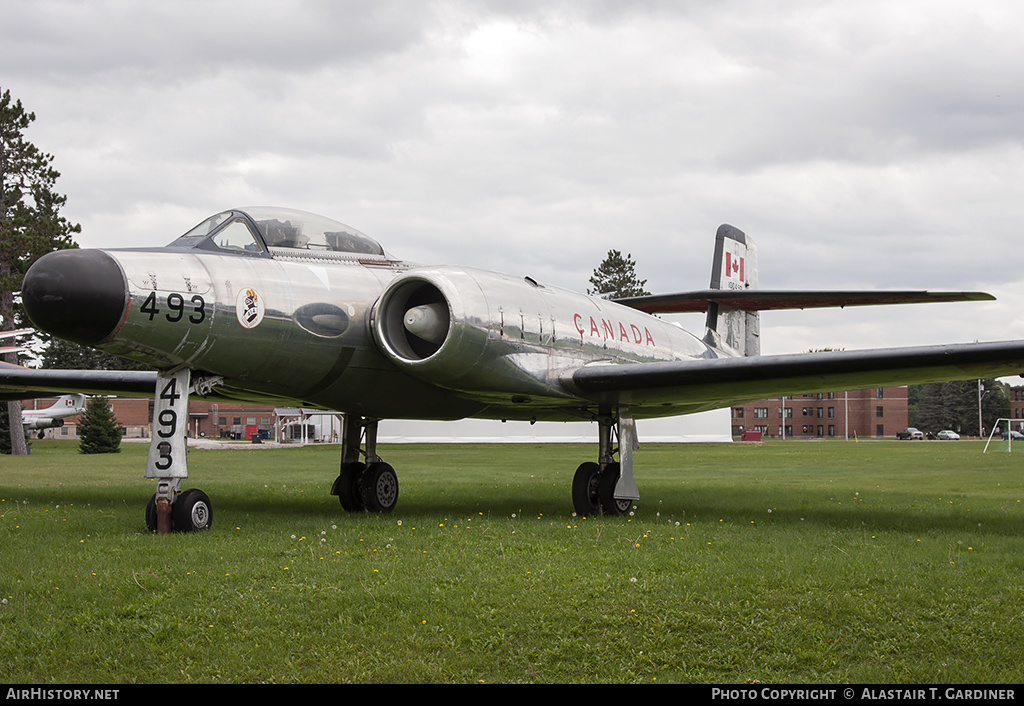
[
  {"x": 954, "y": 405},
  {"x": 616, "y": 278},
  {"x": 30, "y": 221},
  {"x": 66, "y": 355},
  {"x": 5, "y": 431},
  {"x": 99, "y": 432}
]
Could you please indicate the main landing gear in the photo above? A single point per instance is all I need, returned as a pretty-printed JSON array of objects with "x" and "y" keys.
[
  {"x": 607, "y": 486},
  {"x": 370, "y": 486}
]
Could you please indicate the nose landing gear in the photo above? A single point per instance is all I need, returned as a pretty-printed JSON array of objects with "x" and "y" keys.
[{"x": 170, "y": 508}]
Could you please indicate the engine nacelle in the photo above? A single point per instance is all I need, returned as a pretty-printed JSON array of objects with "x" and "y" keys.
[
  {"x": 422, "y": 324},
  {"x": 45, "y": 423},
  {"x": 491, "y": 336}
]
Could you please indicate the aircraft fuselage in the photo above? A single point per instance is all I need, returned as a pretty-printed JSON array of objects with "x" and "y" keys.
[{"x": 328, "y": 328}]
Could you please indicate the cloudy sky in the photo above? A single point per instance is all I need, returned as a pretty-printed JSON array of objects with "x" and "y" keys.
[{"x": 872, "y": 145}]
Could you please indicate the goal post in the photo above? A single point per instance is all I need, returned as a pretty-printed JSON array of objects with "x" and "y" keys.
[{"x": 1009, "y": 429}]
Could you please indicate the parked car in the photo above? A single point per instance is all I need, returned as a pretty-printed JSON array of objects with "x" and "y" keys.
[
  {"x": 948, "y": 434},
  {"x": 910, "y": 433},
  {"x": 1014, "y": 435}
]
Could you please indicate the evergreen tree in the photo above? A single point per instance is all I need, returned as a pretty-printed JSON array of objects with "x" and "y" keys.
[
  {"x": 65, "y": 355},
  {"x": 616, "y": 278},
  {"x": 5, "y": 431},
  {"x": 30, "y": 221},
  {"x": 954, "y": 405},
  {"x": 99, "y": 432}
]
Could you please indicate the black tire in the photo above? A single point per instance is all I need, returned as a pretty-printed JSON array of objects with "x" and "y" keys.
[
  {"x": 192, "y": 511},
  {"x": 584, "y": 490},
  {"x": 346, "y": 487},
  {"x": 606, "y": 492},
  {"x": 151, "y": 514},
  {"x": 379, "y": 488}
]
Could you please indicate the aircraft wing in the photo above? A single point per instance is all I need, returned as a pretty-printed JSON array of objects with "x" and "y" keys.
[
  {"x": 12, "y": 334},
  {"x": 720, "y": 382},
  {"x": 17, "y": 382},
  {"x": 767, "y": 299}
]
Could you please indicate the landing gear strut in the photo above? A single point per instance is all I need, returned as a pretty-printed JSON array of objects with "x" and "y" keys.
[
  {"x": 170, "y": 508},
  {"x": 370, "y": 486},
  {"x": 607, "y": 487}
]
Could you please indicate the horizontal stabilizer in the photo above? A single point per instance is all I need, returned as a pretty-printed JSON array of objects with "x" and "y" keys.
[{"x": 766, "y": 299}]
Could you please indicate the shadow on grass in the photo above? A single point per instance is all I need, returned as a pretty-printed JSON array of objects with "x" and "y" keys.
[{"x": 906, "y": 513}]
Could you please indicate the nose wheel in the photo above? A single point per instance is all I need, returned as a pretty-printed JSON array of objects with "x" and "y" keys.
[{"x": 190, "y": 512}]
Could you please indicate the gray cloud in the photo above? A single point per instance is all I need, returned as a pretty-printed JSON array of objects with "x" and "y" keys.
[{"x": 863, "y": 145}]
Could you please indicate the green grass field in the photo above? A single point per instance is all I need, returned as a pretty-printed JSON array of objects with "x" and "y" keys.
[{"x": 818, "y": 562}]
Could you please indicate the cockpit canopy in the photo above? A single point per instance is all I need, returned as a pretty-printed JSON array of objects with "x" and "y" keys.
[{"x": 260, "y": 230}]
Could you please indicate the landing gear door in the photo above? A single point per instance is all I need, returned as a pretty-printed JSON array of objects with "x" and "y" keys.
[{"x": 170, "y": 423}]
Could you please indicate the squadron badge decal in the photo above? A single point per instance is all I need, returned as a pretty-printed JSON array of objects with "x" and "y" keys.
[{"x": 249, "y": 308}]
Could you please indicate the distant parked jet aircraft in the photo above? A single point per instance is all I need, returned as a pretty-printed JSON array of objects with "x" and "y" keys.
[{"x": 53, "y": 416}]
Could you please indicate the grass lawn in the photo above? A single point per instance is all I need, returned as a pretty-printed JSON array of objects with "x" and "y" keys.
[{"x": 797, "y": 561}]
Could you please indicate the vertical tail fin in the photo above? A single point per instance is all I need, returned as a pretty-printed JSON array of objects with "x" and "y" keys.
[
  {"x": 734, "y": 267},
  {"x": 70, "y": 404}
]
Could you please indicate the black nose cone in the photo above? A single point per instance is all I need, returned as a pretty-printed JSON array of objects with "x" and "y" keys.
[{"x": 79, "y": 295}]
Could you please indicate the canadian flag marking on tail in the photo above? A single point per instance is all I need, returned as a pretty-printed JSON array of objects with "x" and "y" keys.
[{"x": 734, "y": 267}]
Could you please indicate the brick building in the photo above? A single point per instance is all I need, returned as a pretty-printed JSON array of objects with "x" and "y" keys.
[
  {"x": 874, "y": 412},
  {"x": 1016, "y": 396},
  {"x": 215, "y": 420}
]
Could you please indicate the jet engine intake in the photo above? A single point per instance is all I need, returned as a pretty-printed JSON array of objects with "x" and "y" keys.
[
  {"x": 447, "y": 327},
  {"x": 413, "y": 320},
  {"x": 433, "y": 324},
  {"x": 428, "y": 322}
]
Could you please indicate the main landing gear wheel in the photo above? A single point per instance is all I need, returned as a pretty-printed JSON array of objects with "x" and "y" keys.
[
  {"x": 610, "y": 505},
  {"x": 584, "y": 490},
  {"x": 364, "y": 487},
  {"x": 346, "y": 487},
  {"x": 379, "y": 487},
  {"x": 593, "y": 491},
  {"x": 191, "y": 512}
]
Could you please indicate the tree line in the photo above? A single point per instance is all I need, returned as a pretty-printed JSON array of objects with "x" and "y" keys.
[
  {"x": 955, "y": 405},
  {"x": 31, "y": 225}
]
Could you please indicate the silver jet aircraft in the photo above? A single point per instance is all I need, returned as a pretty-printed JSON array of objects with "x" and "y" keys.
[
  {"x": 53, "y": 416},
  {"x": 263, "y": 304}
]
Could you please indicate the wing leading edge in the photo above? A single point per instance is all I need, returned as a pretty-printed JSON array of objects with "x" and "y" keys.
[
  {"x": 767, "y": 299},
  {"x": 713, "y": 383},
  {"x": 17, "y": 382}
]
